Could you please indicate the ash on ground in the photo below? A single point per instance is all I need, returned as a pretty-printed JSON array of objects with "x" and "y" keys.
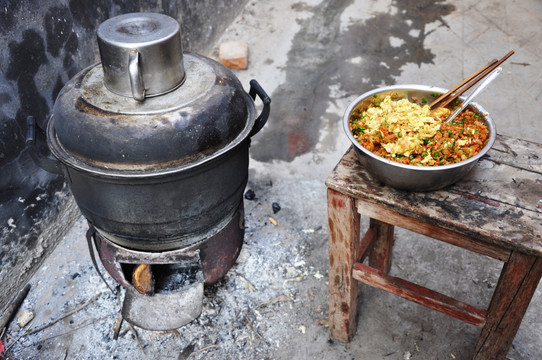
[{"x": 258, "y": 309}]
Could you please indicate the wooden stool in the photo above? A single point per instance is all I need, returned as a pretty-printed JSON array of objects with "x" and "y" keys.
[{"x": 495, "y": 211}]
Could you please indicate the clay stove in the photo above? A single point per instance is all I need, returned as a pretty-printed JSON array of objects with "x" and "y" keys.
[{"x": 175, "y": 295}]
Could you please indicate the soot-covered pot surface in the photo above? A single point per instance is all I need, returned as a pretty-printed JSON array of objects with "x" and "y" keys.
[{"x": 156, "y": 168}]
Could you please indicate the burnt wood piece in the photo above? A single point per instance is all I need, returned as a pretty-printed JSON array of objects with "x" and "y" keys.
[
  {"x": 12, "y": 309},
  {"x": 143, "y": 279},
  {"x": 496, "y": 210}
]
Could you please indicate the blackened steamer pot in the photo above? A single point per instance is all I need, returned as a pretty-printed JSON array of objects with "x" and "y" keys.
[{"x": 160, "y": 173}]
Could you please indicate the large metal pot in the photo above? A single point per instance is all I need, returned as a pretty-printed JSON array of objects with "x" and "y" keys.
[
  {"x": 410, "y": 177},
  {"x": 161, "y": 172}
]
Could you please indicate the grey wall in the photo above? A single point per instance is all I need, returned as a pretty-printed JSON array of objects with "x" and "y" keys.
[{"x": 43, "y": 44}]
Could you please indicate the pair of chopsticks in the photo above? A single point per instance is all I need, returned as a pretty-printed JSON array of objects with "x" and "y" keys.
[{"x": 468, "y": 82}]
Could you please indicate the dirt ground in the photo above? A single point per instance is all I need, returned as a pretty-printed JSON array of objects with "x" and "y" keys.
[{"x": 273, "y": 303}]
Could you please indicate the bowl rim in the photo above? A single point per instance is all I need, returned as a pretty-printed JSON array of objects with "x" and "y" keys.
[{"x": 354, "y": 103}]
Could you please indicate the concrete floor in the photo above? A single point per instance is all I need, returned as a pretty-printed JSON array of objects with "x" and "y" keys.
[{"x": 314, "y": 58}]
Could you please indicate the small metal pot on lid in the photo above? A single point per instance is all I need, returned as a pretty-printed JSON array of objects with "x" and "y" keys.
[{"x": 141, "y": 54}]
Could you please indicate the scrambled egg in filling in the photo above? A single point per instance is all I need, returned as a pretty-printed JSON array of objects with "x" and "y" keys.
[
  {"x": 409, "y": 121},
  {"x": 409, "y": 133}
]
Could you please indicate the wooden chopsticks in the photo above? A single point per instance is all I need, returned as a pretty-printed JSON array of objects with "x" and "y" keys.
[{"x": 468, "y": 82}]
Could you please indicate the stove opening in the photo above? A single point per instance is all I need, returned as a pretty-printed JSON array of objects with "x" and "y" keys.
[{"x": 168, "y": 278}]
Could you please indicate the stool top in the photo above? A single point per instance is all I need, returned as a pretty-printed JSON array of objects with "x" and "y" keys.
[{"x": 499, "y": 201}]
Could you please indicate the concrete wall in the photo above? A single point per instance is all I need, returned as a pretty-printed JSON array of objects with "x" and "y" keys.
[{"x": 43, "y": 44}]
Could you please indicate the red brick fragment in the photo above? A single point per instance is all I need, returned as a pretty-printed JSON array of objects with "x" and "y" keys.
[{"x": 234, "y": 54}]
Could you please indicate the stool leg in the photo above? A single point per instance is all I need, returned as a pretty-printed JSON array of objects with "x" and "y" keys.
[
  {"x": 344, "y": 238},
  {"x": 517, "y": 284},
  {"x": 381, "y": 254}
]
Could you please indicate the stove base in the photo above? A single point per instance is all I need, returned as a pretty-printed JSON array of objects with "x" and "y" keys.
[
  {"x": 162, "y": 312},
  {"x": 175, "y": 294}
]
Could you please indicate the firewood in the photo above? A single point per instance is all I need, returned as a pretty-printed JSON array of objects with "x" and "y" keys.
[{"x": 143, "y": 280}]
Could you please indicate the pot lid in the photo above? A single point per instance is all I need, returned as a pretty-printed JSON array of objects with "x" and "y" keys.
[{"x": 100, "y": 131}]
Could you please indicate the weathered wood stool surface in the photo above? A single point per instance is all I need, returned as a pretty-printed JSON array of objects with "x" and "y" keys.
[{"x": 496, "y": 210}]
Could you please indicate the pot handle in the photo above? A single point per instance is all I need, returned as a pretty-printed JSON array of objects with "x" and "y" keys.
[
  {"x": 46, "y": 162},
  {"x": 136, "y": 77},
  {"x": 256, "y": 89}
]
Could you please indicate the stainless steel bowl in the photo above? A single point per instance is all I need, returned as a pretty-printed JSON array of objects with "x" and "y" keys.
[{"x": 411, "y": 177}]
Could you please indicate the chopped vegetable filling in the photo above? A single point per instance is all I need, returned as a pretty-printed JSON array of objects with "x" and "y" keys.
[{"x": 408, "y": 133}]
